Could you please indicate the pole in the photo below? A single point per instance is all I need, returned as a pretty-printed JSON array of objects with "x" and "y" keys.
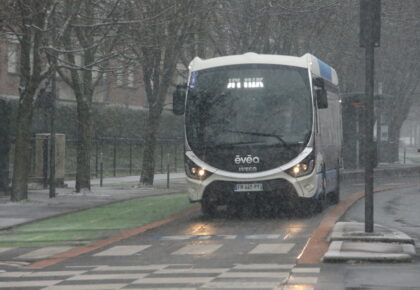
[
  {"x": 101, "y": 169},
  {"x": 167, "y": 171},
  {"x": 131, "y": 158},
  {"x": 115, "y": 156},
  {"x": 369, "y": 118},
  {"x": 370, "y": 27},
  {"x": 52, "y": 192},
  {"x": 45, "y": 162}
]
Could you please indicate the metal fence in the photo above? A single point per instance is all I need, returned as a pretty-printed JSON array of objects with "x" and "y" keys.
[
  {"x": 124, "y": 156},
  {"x": 119, "y": 156}
]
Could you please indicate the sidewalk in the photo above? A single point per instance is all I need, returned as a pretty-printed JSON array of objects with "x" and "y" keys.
[
  {"x": 39, "y": 206},
  {"x": 396, "y": 210}
]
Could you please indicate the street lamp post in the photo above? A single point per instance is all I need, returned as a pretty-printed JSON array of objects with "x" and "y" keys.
[{"x": 369, "y": 39}]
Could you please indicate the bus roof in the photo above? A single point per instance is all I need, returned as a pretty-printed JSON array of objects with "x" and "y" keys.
[{"x": 308, "y": 61}]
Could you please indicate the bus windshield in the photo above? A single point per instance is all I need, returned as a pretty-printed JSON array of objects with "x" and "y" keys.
[{"x": 249, "y": 105}]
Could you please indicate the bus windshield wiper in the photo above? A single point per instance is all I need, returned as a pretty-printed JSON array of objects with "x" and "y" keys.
[{"x": 278, "y": 137}]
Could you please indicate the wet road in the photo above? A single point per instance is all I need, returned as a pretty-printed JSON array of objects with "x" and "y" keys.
[{"x": 196, "y": 252}]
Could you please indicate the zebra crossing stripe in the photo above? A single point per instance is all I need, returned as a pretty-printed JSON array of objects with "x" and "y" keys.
[
  {"x": 173, "y": 280},
  {"x": 240, "y": 276},
  {"x": 192, "y": 271},
  {"x": 175, "y": 238},
  {"x": 33, "y": 283},
  {"x": 111, "y": 286},
  {"x": 262, "y": 237},
  {"x": 43, "y": 253},
  {"x": 106, "y": 268},
  {"x": 302, "y": 280},
  {"x": 239, "y": 285},
  {"x": 278, "y": 275},
  {"x": 272, "y": 248},
  {"x": 2, "y": 250},
  {"x": 107, "y": 277},
  {"x": 122, "y": 250},
  {"x": 218, "y": 237},
  {"x": 197, "y": 249},
  {"x": 306, "y": 270},
  {"x": 166, "y": 288},
  {"x": 263, "y": 266}
]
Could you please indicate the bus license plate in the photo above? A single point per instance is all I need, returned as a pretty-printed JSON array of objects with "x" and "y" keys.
[{"x": 244, "y": 187}]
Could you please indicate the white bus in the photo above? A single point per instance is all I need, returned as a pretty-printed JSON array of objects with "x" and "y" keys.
[{"x": 261, "y": 126}]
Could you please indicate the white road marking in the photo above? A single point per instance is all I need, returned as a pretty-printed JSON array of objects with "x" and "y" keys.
[
  {"x": 13, "y": 274},
  {"x": 107, "y": 277},
  {"x": 86, "y": 287},
  {"x": 175, "y": 238},
  {"x": 106, "y": 268},
  {"x": 295, "y": 287},
  {"x": 272, "y": 248},
  {"x": 204, "y": 237},
  {"x": 239, "y": 285},
  {"x": 44, "y": 253},
  {"x": 279, "y": 275},
  {"x": 263, "y": 266},
  {"x": 53, "y": 273},
  {"x": 2, "y": 250},
  {"x": 205, "y": 249},
  {"x": 302, "y": 280},
  {"x": 173, "y": 280},
  {"x": 192, "y": 271},
  {"x": 37, "y": 283},
  {"x": 262, "y": 237},
  {"x": 172, "y": 288},
  {"x": 306, "y": 270},
  {"x": 123, "y": 250},
  {"x": 227, "y": 237}
]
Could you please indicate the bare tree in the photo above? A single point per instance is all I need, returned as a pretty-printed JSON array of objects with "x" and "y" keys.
[
  {"x": 157, "y": 43},
  {"x": 26, "y": 22},
  {"x": 398, "y": 64},
  {"x": 89, "y": 34}
]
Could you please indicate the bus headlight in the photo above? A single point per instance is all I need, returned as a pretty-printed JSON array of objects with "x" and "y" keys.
[
  {"x": 194, "y": 171},
  {"x": 303, "y": 168}
]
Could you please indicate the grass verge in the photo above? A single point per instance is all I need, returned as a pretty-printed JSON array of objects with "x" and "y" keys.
[{"x": 93, "y": 224}]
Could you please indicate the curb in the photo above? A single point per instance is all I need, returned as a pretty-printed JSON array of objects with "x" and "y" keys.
[
  {"x": 72, "y": 211},
  {"x": 317, "y": 245}
]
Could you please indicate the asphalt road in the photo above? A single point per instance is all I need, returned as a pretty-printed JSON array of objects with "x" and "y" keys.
[{"x": 245, "y": 252}]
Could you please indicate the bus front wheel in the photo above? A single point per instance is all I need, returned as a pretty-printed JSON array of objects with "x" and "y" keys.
[{"x": 209, "y": 205}]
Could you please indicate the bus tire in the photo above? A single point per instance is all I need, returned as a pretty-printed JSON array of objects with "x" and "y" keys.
[{"x": 208, "y": 206}]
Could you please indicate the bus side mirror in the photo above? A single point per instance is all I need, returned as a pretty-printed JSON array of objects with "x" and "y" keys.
[
  {"x": 178, "y": 99},
  {"x": 320, "y": 93},
  {"x": 321, "y": 98}
]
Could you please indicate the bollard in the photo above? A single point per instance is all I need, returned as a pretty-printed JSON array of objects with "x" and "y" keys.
[
  {"x": 131, "y": 160},
  {"x": 167, "y": 171},
  {"x": 45, "y": 162},
  {"x": 101, "y": 170},
  {"x": 114, "y": 163},
  {"x": 96, "y": 157},
  {"x": 161, "y": 159},
  {"x": 405, "y": 153}
]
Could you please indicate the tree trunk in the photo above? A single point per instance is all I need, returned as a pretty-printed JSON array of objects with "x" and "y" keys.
[
  {"x": 148, "y": 167},
  {"x": 394, "y": 142},
  {"x": 4, "y": 145},
  {"x": 22, "y": 149},
  {"x": 83, "y": 146}
]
